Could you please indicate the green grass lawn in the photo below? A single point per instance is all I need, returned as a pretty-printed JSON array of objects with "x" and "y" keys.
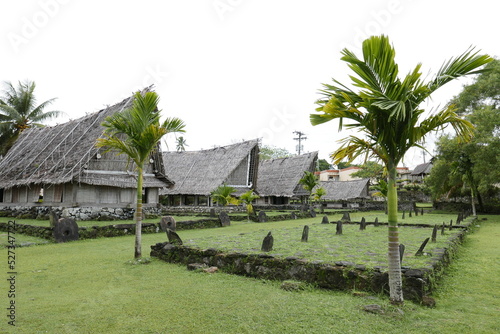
[
  {"x": 21, "y": 240},
  {"x": 89, "y": 287},
  {"x": 368, "y": 247}
]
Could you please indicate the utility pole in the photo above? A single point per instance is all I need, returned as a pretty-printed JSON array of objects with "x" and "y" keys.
[{"x": 300, "y": 138}]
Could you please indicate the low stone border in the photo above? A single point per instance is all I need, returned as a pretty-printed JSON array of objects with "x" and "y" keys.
[
  {"x": 341, "y": 275},
  {"x": 107, "y": 231}
]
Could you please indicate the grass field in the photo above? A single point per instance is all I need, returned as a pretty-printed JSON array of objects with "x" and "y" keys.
[{"x": 90, "y": 287}]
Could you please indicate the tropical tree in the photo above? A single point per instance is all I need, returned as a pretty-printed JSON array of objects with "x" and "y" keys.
[
  {"x": 369, "y": 170},
  {"x": 323, "y": 165},
  {"x": 317, "y": 195},
  {"x": 344, "y": 164},
  {"x": 136, "y": 132},
  {"x": 472, "y": 168},
  {"x": 247, "y": 199},
  {"x": 309, "y": 181},
  {"x": 19, "y": 110},
  {"x": 386, "y": 109},
  {"x": 380, "y": 191},
  {"x": 223, "y": 195},
  {"x": 181, "y": 144},
  {"x": 271, "y": 152}
]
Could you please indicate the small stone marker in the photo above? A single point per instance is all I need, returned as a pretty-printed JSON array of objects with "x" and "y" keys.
[
  {"x": 66, "y": 229},
  {"x": 403, "y": 217},
  {"x": 422, "y": 212},
  {"x": 401, "y": 252},
  {"x": 421, "y": 249},
  {"x": 173, "y": 237},
  {"x": 442, "y": 229},
  {"x": 262, "y": 217},
  {"x": 376, "y": 221},
  {"x": 312, "y": 213},
  {"x": 434, "y": 233},
  {"x": 267, "y": 244},
  {"x": 168, "y": 222},
  {"x": 374, "y": 308},
  {"x": 293, "y": 215},
  {"x": 339, "y": 227},
  {"x": 346, "y": 217},
  {"x": 325, "y": 220},
  {"x": 212, "y": 213},
  {"x": 53, "y": 218},
  {"x": 428, "y": 301},
  {"x": 210, "y": 270},
  {"x": 362, "y": 224},
  {"x": 224, "y": 219},
  {"x": 305, "y": 234}
]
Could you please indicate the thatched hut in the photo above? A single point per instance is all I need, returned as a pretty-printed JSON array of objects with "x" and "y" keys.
[
  {"x": 197, "y": 173},
  {"x": 278, "y": 181},
  {"x": 62, "y": 163},
  {"x": 339, "y": 193},
  {"x": 421, "y": 171}
]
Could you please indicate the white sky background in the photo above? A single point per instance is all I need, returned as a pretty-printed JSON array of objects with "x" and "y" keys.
[{"x": 231, "y": 69}]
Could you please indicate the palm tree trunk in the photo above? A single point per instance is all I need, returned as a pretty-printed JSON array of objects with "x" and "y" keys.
[
  {"x": 395, "y": 281},
  {"x": 472, "y": 200},
  {"x": 138, "y": 216}
]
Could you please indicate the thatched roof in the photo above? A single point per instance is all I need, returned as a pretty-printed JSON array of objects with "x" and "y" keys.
[
  {"x": 345, "y": 190},
  {"x": 422, "y": 169},
  {"x": 67, "y": 153},
  {"x": 201, "y": 172},
  {"x": 280, "y": 177}
]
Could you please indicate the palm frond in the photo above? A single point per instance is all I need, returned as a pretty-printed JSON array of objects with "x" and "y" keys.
[
  {"x": 465, "y": 64},
  {"x": 174, "y": 125}
]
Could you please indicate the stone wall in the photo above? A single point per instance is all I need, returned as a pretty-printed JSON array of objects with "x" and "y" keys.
[
  {"x": 77, "y": 213},
  {"x": 340, "y": 275},
  {"x": 115, "y": 230}
]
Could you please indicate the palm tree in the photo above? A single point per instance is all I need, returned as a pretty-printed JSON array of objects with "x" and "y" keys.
[
  {"x": 386, "y": 109},
  {"x": 136, "y": 132},
  {"x": 316, "y": 196},
  {"x": 247, "y": 199},
  {"x": 381, "y": 191},
  {"x": 19, "y": 111},
  {"x": 181, "y": 144},
  {"x": 309, "y": 181},
  {"x": 222, "y": 195}
]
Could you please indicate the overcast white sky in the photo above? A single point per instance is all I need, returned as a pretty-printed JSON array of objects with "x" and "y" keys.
[{"x": 231, "y": 69}]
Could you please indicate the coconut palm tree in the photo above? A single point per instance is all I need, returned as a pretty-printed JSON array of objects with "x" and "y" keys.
[
  {"x": 309, "y": 181},
  {"x": 381, "y": 191},
  {"x": 386, "y": 109},
  {"x": 136, "y": 132},
  {"x": 19, "y": 111},
  {"x": 222, "y": 195},
  {"x": 181, "y": 144},
  {"x": 247, "y": 199},
  {"x": 317, "y": 195}
]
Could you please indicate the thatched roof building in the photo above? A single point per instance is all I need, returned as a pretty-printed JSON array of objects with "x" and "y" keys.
[
  {"x": 197, "y": 173},
  {"x": 64, "y": 161},
  {"x": 278, "y": 179},
  {"x": 421, "y": 171},
  {"x": 345, "y": 190}
]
